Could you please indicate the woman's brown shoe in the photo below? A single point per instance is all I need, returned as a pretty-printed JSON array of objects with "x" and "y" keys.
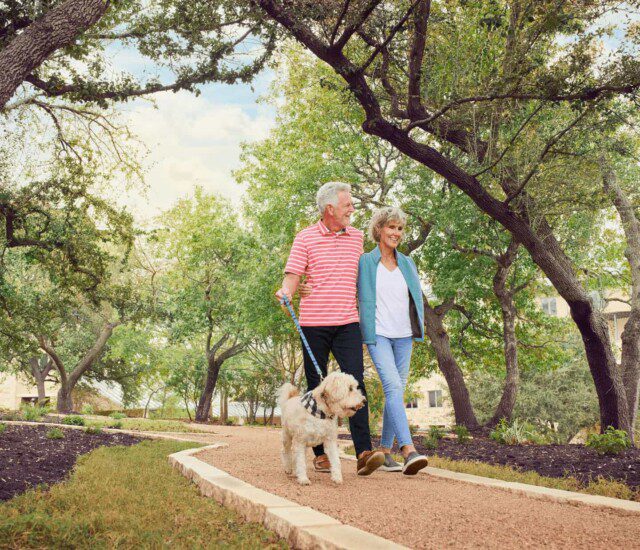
[
  {"x": 369, "y": 462},
  {"x": 321, "y": 464}
]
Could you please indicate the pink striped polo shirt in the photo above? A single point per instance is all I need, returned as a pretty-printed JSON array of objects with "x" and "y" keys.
[{"x": 330, "y": 262}]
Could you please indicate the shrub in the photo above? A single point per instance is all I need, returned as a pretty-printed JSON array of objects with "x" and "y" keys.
[
  {"x": 93, "y": 430},
  {"x": 516, "y": 433},
  {"x": 33, "y": 413},
  {"x": 436, "y": 432},
  {"x": 611, "y": 442},
  {"x": 462, "y": 433},
  {"x": 430, "y": 442},
  {"x": 73, "y": 420},
  {"x": 413, "y": 429},
  {"x": 3, "y": 427},
  {"x": 116, "y": 425},
  {"x": 87, "y": 409},
  {"x": 231, "y": 421},
  {"x": 55, "y": 433},
  {"x": 117, "y": 415}
]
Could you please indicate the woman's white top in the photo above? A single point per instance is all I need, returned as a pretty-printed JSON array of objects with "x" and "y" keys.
[{"x": 392, "y": 304}]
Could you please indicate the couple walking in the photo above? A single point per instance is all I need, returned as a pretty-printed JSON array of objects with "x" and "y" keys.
[{"x": 389, "y": 318}]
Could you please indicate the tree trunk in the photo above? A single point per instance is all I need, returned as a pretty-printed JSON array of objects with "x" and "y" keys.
[
  {"x": 54, "y": 30},
  {"x": 40, "y": 369},
  {"x": 631, "y": 363},
  {"x": 508, "y": 309},
  {"x": 224, "y": 406},
  {"x": 204, "y": 404},
  {"x": 439, "y": 338},
  {"x": 65, "y": 401}
]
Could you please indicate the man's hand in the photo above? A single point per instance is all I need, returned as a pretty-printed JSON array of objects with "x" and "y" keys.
[{"x": 284, "y": 291}]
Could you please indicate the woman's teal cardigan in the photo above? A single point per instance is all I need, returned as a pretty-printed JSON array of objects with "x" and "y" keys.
[{"x": 367, "y": 270}]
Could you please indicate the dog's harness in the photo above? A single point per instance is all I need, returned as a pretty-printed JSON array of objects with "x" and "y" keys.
[{"x": 309, "y": 403}]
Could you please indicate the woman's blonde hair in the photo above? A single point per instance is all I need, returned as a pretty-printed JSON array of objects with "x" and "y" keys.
[{"x": 382, "y": 217}]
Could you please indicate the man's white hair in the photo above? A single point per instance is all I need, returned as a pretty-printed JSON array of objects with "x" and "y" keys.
[{"x": 328, "y": 194}]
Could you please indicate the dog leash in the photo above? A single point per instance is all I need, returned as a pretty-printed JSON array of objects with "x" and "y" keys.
[{"x": 287, "y": 303}]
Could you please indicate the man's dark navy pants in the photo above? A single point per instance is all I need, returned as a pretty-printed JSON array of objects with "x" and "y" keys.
[{"x": 345, "y": 343}]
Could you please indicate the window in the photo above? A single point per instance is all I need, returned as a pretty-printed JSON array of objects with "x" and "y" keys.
[
  {"x": 435, "y": 398},
  {"x": 549, "y": 306},
  {"x": 412, "y": 404}
]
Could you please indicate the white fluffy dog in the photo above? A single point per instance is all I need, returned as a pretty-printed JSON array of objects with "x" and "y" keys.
[{"x": 312, "y": 419}]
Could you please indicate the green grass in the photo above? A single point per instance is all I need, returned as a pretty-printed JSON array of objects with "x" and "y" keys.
[
  {"x": 126, "y": 497},
  {"x": 143, "y": 424},
  {"x": 601, "y": 486}
]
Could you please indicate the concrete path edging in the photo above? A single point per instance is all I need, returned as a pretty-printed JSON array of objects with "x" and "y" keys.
[
  {"x": 302, "y": 527},
  {"x": 532, "y": 491}
]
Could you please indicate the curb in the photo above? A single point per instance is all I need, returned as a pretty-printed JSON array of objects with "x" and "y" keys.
[
  {"x": 531, "y": 491},
  {"x": 302, "y": 527}
]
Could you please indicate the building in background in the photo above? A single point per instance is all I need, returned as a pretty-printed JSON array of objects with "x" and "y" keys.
[
  {"x": 612, "y": 303},
  {"x": 18, "y": 390},
  {"x": 432, "y": 404}
]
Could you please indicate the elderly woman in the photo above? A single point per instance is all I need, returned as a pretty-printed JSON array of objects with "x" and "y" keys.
[{"x": 391, "y": 318}]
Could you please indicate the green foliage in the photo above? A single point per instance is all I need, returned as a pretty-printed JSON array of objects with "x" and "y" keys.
[
  {"x": 87, "y": 409},
  {"x": 462, "y": 434},
  {"x": 32, "y": 413},
  {"x": 3, "y": 427},
  {"x": 93, "y": 430},
  {"x": 436, "y": 432},
  {"x": 115, "y": 425},
  {"x": 117, "y": 415},
  {"x": 611, "y": 442},
  {"x": 557, "y": 402},
  {"x": 55, "y": 433},
  {"x": 430, "y": 442},
  {"x": 73, "y": 420},
  {"x": 516, "y": 433}
]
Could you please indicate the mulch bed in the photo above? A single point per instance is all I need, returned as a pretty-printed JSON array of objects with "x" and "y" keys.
[
  {"x": 578, "y": 461},
  {"x": 28, "y": 458}
]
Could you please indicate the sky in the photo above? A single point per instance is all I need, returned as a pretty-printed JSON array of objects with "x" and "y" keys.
[{"x": 192, "y": 140}]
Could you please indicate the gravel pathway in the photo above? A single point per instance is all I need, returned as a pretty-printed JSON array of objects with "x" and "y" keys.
[{"x": 424, "y": 511}]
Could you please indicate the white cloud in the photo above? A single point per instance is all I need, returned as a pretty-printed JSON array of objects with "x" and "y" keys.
[{"x": 192, "y": 141}]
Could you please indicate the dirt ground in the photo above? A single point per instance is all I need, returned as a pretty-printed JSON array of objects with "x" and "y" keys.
[
  {"x": 424, "y": 511},
  {"x": 28, "y": 458}
]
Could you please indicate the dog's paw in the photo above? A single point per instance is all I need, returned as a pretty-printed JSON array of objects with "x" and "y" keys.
[
  {"x": 337, "y": 480},
  {"x": 288, "y": 471},
  {"x": 304, "y": 481}
]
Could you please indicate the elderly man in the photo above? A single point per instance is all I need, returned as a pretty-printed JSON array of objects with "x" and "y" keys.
[{"x": 327, "y": 253}]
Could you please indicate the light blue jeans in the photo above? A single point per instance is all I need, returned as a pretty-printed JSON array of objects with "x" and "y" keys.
[{"x": 391, "y": 357}]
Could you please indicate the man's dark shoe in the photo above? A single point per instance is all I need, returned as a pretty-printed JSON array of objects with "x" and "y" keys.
[
  {"x": 321, "y": 464},
  {"x": 390, "y": 465},
  {"x": 414, "y": 463},
  {"x": 369, "y": 462}
]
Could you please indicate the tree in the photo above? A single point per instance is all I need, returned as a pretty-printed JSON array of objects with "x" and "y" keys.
[
  {"x": 623, "y": 202},
  {"x": 58, "y": 49},
  {"x": 477, "y": 131},
  {"x": 203, "y": 284}
]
